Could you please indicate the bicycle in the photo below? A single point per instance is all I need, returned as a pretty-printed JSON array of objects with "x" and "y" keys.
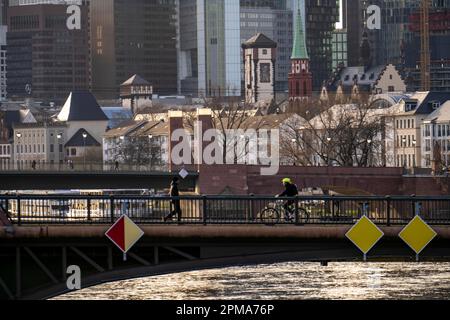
[{"x": 273, "y": 212}]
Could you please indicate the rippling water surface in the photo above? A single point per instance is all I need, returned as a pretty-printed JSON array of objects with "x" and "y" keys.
[{"x": 287, "y": 281}]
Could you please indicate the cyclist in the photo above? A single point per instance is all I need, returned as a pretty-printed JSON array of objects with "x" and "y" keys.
[{"x": 291, "y": 190}]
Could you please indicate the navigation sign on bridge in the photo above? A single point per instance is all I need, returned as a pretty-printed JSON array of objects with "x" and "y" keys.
[
  {"x": 124, "y": 234},
  {"x": 417, "y": 235},
  {"x": 365, "y": 235}
]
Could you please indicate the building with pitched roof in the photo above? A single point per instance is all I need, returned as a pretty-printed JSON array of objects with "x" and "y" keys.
[
  {"x": 82, "y": 111},
  {"x": 259, "y": 59},
  {"x": 412, "y": 142},
  {"x": 136, "y": 93}
]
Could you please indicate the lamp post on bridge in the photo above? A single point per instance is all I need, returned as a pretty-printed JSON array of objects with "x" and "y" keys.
[
  {"x": 19, "y": 136},
  {"x": 85, "y": 135},
  {"x": 150, "y": 140}
]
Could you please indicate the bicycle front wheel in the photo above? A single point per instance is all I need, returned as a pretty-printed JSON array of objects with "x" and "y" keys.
[
  {"x": 270, "y": 216},
  {"x": 302, "y": 216}
]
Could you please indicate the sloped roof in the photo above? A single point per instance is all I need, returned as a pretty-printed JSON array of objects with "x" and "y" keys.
[
  {"x": 425, "y": 100},
  {"x": 364, "y": 77},
  {"x": 81, "y": 106},
  {"x": 136, "y": 80},
  {"x": 426, "y": 105},
  {"x": 78, "y": 141},
  {"x": 124, "y": 129},
  {"x": 299, "y": 50},
  {"x": 259, "y": 40},
  {"x": 440, "y": 115},
  {"x": 117, "y": 115}
]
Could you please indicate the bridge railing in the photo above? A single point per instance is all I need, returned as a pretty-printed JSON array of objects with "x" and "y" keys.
[
  {"x": 80, "y": 167},
  {"x": 68, "y": 209}
]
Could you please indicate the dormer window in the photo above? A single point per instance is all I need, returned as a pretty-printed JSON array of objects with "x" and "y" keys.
[
  {"x": 435, "y": 105},
  {"x": 410, "y": 106},
  {"x": 363, "y": 77},
  {"x": 372, "y": 76},
  {"x": 347, "y": 77}
]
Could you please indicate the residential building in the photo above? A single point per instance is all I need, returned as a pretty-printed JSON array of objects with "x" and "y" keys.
[
  {"x": 39, "y": 142},
  {"x": 435, "y": 131},
  {"x": 209, "y": 48},
  {"x": 5, "y": 143},
  {"x": 412, "y": 148},
  {"x": 138, "y": 143},
  {"x": 355, "y": 82},
  {"x": 45, "y": 59},
  {"x": 133, "y": 37}
]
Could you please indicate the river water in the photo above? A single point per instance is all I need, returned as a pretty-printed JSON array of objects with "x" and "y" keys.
[{"x": 294, "y": 280}]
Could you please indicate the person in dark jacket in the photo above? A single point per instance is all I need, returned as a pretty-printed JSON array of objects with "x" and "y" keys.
[
  {"x": 174, "y": 192},
  {"x": 290, "y": 190}
]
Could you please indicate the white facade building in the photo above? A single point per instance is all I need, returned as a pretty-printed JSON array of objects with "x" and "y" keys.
[
  {"x": 259, "y": 58},
  {"x": 436, "y": 138}
]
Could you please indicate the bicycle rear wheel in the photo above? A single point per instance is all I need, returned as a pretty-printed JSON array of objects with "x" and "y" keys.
[
  {"x": 302, "y": 216},
  {"x": 269, "y": 216}
]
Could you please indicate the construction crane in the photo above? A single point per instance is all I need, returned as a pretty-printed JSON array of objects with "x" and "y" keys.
[{"x": 425, "y": 59}]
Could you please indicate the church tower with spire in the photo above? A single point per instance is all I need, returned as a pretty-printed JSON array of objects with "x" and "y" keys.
[{"x": 300, "y": 77}]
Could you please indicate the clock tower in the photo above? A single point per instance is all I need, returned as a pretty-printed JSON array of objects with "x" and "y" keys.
[
  {"x": 300, "y": 77},
  {"x": 259, "y": 58}
]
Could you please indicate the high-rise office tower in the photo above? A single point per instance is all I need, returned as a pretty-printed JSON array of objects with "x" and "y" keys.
[
  {"x": 133, "y": 37},
  {"x": 209, "y": 48},
  {"x": 274, "y": 19},
  {"x": 439, "y": 48},
  {"x": 45, "y": 59},
  {"x": 320, "y": 20},
  {"x": 3, "y": 92}
]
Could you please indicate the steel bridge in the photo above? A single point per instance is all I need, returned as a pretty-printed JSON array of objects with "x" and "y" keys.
[{"x": 42, "y": 235}]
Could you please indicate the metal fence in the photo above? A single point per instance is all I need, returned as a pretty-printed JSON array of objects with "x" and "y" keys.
[
  {"x": 25, "y": 210},
  {"x": 80, "y": 167}
]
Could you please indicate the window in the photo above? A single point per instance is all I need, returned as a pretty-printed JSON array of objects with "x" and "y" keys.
[
  {"x": 60, "y": 148},
  {"x": 391, "y": 88},
  {"x": 52, "y": 148},
  {"x": 73, "y": 152},
  {"x": 265, "y": 72},
  {"x": 428, "y": 145}
]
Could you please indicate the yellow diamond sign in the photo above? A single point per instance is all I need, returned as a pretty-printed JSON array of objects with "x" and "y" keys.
[
  {"x": 417, "y": 234},
  {"x": 365, "y": 234}
]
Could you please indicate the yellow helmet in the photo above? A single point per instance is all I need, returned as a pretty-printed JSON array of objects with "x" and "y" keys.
[{"x": 287, "y": 180}]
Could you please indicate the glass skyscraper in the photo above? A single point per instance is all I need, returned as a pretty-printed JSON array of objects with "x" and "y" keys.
[{"x": 209, "y": 47}]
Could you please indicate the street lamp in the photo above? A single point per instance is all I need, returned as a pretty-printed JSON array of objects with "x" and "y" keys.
[
  {"x": 404, "y": 151},
  {"x": 150, "y": 137},
  {"x": 18, "y": 135},
  {"x": 59, "y": 137},
  {"x": 414, "y": 142},
  {"x": 369, "y": 143},
  {"x": 85, "y": 135},
  {"x": 328, "y": 151}
]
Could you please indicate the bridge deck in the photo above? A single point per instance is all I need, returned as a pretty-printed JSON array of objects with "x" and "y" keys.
[{"x": 202, "y": 232}]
